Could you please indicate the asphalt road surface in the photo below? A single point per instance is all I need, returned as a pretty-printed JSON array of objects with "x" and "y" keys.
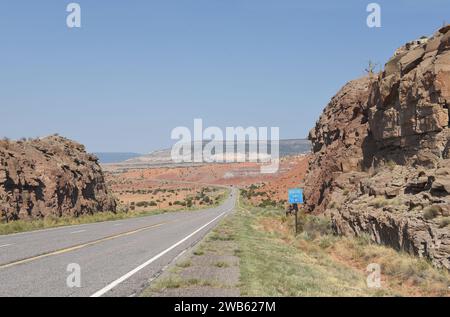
[{"x": 114, "y": 258}]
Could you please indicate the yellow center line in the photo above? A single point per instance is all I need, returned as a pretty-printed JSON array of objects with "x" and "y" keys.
[{"x": 80, "y": 246}]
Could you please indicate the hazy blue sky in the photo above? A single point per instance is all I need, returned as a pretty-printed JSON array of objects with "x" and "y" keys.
[{"x": 137, "y": 69}]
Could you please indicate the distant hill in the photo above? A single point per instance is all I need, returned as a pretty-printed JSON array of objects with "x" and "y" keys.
[
  {"x": 115, "y": 157},
  {"x": 163, "y": 157},
  {"x": 294, "y": 147}
]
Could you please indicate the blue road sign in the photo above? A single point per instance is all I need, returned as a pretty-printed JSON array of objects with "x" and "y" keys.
[{"x": 296, "y": 196}]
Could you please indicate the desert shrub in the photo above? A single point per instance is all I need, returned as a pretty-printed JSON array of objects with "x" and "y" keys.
[
  {"x": 141, "y": 204},
  {"x": 431, "y": 212},
  {"x": 317, "y": 225},
  {"x": 391, "y": 164},
  {"x": 267, "y": 203},
  {"x": 188, "y": 202},
  {"x": 222, "y": 264},
  {"x": 379, "y": 202},
  {"x": 444, "y": 222},
  {"x": 395, "y": 202},
  {"x": 314, "y": 226},
  {"x": 326, "y": 241},
  {"x": 207, "y": 200}
]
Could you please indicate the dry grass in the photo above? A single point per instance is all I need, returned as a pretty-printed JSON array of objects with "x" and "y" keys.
[
  {"x": 184, "y": 264},
  {"x": 317, "y": 263}
]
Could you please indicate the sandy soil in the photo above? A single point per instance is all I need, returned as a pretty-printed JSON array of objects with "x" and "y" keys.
[{"x": 170, "y": 187}]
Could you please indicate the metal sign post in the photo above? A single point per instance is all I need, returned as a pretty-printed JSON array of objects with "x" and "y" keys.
[{"x": 295, "y": 198}]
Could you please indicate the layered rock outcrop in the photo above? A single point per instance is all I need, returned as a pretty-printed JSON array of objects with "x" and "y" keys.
[
  {"x": 51, "y": 176},
  {"x": 337, "y": 142},
  {"x": 381, "y": 163}
]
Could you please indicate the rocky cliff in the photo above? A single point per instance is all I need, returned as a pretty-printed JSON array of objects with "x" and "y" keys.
[
  {"x": 381, "y": 163},
  {"x": 51, "y": 176}
]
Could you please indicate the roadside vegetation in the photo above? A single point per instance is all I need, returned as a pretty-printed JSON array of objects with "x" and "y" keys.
[
  {"x": 53, "y": 222},
  {"x": 176, "y": 198},
  {"x": 256, "y": 195},
  {"x": 273, "y": 261}
]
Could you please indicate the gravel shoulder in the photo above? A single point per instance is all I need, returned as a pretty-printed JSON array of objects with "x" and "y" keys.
[{"x": 209, "y": 269}]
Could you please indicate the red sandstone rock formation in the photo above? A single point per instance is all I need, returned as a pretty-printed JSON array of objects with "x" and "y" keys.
[
  {"x": 52, "y": 176},
  {"x": 381, "y": 163}
]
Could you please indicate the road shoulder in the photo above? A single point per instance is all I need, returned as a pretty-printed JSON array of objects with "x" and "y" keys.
[{"x": 209, "y": 269}]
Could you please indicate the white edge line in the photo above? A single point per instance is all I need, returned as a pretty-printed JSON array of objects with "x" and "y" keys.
[
  {"x": 142, "y": 266},
  {"x": 5, "y": 245},
  {"x": 79, "y": 231}
]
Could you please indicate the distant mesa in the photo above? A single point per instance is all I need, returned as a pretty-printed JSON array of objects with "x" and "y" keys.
[{"x": 163, "y": 157}]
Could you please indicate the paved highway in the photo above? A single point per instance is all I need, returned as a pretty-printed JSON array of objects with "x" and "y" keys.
[{"x": 115, "y": 258}]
